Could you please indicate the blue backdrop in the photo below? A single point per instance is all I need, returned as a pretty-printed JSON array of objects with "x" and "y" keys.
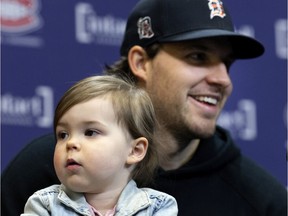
[{"x": 47, "y": 45}]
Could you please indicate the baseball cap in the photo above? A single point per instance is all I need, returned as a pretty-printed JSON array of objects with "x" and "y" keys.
[{"x": 161, "y": 21}]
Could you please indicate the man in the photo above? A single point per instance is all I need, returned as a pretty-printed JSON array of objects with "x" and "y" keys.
[{"x": 180, "y": 52}]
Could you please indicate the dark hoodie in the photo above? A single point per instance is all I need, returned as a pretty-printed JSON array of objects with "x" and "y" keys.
[{"x": 218, "y": 180}]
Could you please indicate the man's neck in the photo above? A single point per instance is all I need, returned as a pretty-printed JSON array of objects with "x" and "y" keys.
[{"x": 172, "y": 155}]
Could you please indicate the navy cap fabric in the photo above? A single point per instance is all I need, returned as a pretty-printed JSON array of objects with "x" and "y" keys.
[{"x": 163, "y": 21}]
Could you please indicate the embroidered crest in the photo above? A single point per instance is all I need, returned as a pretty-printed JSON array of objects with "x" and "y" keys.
[
  {"x": 145, "y": 28},
  {"x": 216, "y": 7}
]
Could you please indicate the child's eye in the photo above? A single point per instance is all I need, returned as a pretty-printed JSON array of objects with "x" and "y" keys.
[
  {"x": 62, "y": 135},
  {"x": 91, "y": 132}
]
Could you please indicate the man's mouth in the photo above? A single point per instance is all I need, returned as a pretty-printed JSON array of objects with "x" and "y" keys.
[{"x": 206, "y": 99}]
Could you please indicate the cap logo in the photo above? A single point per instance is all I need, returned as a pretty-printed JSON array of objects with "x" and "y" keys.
[
  {"x": 145, "y": 28},
  {"x": 216, "y": 7}
]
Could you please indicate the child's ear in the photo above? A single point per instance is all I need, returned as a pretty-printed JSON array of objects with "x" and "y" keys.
[{"x": 138, "y": 150}]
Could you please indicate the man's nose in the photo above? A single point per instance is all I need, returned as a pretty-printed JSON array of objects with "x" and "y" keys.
[{"x": 218, "y": 75}]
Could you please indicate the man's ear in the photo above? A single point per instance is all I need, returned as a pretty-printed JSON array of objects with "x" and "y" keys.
[
  {"x": 137, "y": 58},
  {"x": 138, "y": 150}
]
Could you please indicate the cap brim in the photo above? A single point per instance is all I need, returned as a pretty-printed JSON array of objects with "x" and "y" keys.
[{"x": 244, "y": 47}]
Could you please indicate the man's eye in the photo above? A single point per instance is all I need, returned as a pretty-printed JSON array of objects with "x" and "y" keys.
[
  {"x": 91, "y": 132},
  {"x": 62, "y": 135},
  {"x": 197, "y": 57}
]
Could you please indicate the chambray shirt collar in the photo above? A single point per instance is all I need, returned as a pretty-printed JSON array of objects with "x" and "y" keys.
[
  {"x": 126, "y": 203},
  {"x": 74, "y": 200}
]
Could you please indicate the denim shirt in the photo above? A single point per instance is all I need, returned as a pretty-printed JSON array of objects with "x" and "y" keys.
[{"x": 58, "y": 200}]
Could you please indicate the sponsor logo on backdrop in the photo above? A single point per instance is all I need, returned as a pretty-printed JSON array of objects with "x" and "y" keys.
[
  {"x": 37, "y": 110},
  {"x": 281, "y": 38},
  {"x": 242, "y": 122},
  {"x": 246, "y": 30},
  {"x": 94, "y": 28},
  {"x": 18, "y": 19}
]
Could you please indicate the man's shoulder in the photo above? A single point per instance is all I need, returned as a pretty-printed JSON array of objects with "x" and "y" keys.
[
  {"x": 254, "y": 184},
  {"x": 46, "y": 140},
  {"x": 39, "y": 150},
  {"x": 251, "y": 174}
]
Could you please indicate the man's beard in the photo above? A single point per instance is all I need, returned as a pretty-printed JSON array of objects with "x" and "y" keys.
[{"x": 184, "y": 133}]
